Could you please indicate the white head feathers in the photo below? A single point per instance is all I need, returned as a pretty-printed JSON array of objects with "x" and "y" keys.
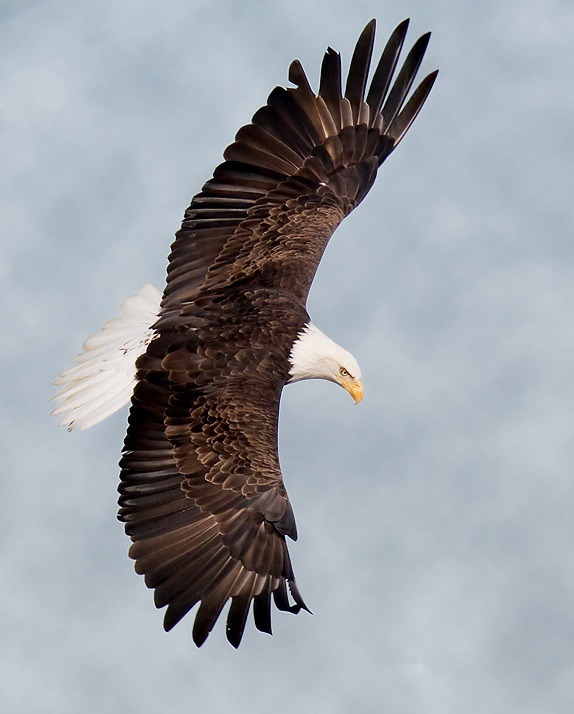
[{"x": 316, "y": 356}]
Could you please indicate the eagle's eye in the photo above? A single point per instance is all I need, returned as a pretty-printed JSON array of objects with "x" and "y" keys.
[{"x": 343, "y": 372}]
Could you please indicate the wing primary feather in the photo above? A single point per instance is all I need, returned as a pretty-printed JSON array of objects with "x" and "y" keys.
[
  {"x": 404, "y": 80},
  {"x": 238, "y": 611},
  {"x": 262, "y": 609},
  {"x": 209, "y": 611},
  {"x": 330, "y": 85},
  {"x": 409, "y": 113},
  {"x": 281, "y": 598},
  {"x": 386, "y": 68},
  {"x": 298, "y": 77},
  {"x": 359, "y": 69},
  {"x": 296, "y": 595}
]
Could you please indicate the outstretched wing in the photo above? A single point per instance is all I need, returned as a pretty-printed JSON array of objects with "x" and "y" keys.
[
  {"x": 201, "y": 489},
  {"x": 305, "y": 159}
]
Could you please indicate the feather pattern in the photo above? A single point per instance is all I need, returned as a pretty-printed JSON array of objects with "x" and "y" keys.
[{"x": 201, "y": 491}]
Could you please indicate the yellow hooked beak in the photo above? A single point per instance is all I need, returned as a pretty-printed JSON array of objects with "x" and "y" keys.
[{"x": 355, "y": 389}]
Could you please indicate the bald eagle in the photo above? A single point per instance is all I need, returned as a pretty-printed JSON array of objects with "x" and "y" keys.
[{"x": 204, "y": 365}]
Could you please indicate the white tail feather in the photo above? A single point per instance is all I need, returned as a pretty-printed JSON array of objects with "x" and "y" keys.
[{"x": 103, "y": 377}]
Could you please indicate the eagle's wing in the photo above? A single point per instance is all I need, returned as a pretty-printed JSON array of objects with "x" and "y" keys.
[
  {"x": 201, "y": 489},
  {"x": 304, "y": 158}
]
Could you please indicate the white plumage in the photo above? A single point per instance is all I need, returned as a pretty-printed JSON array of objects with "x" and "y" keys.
[
  {"x": 102, "y": 379},
  {"x": 316, "y": 356}
]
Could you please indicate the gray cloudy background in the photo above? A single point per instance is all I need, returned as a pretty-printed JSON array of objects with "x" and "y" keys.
[{"x": 436, "y": 530}]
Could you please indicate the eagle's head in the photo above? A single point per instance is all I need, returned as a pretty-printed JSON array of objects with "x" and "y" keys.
[{"x": 315, "y": 356}]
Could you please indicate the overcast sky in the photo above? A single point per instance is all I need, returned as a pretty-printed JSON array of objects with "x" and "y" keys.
[{"x": 436, "y": 544}]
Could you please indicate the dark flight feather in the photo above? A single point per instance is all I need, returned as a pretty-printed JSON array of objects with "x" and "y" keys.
[
  {"x": 201, "y": 491},
  {"x": 404, "y": 80},
  {"x": 359, "y": 70},
  {"x": 386, "y": 68}
]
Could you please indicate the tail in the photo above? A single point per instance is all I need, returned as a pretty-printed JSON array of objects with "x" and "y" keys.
[{"x": 103, "y": 377}]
